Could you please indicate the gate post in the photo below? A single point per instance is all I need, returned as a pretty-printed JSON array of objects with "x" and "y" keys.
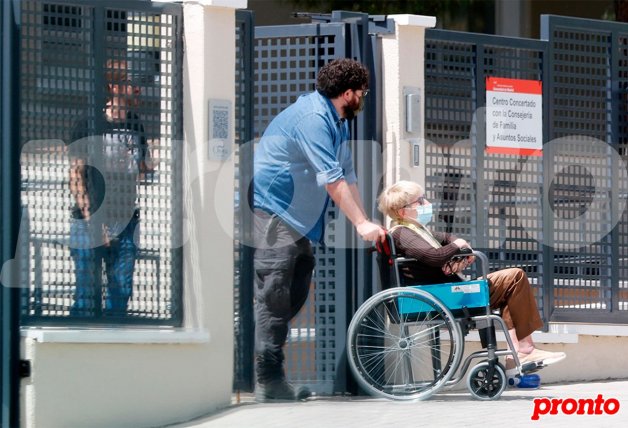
[
  {"x": 10, "y": 215},
  {"x": 209, "y": 182},
  {"x": 403, "y": 63}
]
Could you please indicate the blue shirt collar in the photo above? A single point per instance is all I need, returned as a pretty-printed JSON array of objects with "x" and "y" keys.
[{"x": 337, "y": 119}]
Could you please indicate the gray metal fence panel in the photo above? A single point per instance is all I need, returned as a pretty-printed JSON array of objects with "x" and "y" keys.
[
  {"x": 587, "y": 101},
  {"x": 562, "y": 217},
  {"x": 489, "y": 199},
  {"x": 65, "y": 45}
]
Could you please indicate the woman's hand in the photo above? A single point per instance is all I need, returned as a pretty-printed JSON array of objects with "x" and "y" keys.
[
  {"x": 457, "y": 265},
  {"x": 461, "y": 243}
]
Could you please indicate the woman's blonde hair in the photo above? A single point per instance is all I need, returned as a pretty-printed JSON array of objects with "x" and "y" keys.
[{"x": 397, "y": 196}]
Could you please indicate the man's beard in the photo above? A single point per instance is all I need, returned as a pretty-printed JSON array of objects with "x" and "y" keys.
[
  {"x": 351, "y": 110},
  {"x": 349, "y": 113}
]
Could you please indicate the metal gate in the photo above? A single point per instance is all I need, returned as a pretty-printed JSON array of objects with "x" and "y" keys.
[
  {"x": 562, "y": 216},
  {"x": 587, "y": 99},
  {"x": 65, "y": 48},
  {"x": 476, "y": 193},
  {"x": 286, "y": 60}
]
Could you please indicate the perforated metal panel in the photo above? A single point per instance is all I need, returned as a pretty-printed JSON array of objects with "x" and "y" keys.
[
  {"x": 513, "y": 183},
  {"x": 621, "y": 292},
  {"x": 492, "y": 200},
  {"x": 450, "y": 104},
  {"x": 561, "y": 217},
  {"x": 65, "y": 47},
  {"x": 243, "y": 278},
  {"x": 587, "y": 98}
]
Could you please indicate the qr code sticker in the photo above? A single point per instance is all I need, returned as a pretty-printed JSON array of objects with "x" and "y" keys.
[{"x": 220, "y": 120}]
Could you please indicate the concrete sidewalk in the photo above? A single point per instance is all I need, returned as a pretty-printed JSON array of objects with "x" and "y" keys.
[{"x": 453, "y": 409}]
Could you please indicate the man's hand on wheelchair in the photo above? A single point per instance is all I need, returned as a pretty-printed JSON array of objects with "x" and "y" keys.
[{"x": 370, "y": 231}]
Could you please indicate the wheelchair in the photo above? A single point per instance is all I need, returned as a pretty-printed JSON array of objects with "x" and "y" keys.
[{"x": 407, "y": 342}]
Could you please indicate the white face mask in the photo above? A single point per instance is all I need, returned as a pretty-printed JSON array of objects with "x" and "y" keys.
[{"x": 424, "y": 214}]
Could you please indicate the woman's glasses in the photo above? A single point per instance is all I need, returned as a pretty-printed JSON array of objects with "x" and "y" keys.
[{"x": 420, "y": 201}]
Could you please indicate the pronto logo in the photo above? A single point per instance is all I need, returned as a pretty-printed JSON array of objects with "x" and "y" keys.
[{"x": 570, "y": 406}]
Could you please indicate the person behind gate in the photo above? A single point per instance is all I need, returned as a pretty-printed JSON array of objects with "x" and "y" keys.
[
  {"x": 509, "y": 289},
  {"x": 302, "y": 160},
  {"x": 105, "y": 165}
]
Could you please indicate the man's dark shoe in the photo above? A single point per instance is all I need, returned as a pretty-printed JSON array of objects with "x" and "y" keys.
[{"x": 279, "y": 391}]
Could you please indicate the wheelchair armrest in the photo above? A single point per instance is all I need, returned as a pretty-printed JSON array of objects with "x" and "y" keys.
[{"x": 404, "y": 260}]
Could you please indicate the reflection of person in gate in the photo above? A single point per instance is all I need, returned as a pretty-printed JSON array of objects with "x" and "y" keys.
[
  {"x": 105, "y": 166},
  {"x": 509, "y": 289},
  {"x": 302, "y": 160}
]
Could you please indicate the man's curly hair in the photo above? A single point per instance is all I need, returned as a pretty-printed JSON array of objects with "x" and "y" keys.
[{"x": 339, "y": 75}]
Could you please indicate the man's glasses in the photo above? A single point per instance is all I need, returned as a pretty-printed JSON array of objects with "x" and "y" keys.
[{"x": 420, "y": 200}]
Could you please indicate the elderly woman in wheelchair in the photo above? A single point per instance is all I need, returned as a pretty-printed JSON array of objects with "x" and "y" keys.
[{"x": 406, "y": 343}]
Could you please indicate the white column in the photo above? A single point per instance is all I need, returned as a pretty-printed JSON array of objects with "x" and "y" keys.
[
  {"x": 209, "y": 183},
  {"x": 403, "y": 65}
]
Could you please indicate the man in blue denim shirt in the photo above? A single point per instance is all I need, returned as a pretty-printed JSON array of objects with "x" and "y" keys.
[{"x": 302, "y": 161}]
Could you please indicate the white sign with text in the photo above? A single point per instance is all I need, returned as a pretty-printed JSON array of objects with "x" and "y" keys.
[{"x": 514, "y": 116}]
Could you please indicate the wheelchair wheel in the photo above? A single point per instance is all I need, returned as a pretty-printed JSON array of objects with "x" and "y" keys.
[
  {"x": 483, "y": 388},
  {"x": 403, "y": 344}
]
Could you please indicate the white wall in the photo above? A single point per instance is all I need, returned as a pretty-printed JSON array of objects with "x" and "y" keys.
[
  {"x": 145, "y": 378},
  {"x": 403, "y": 65}
]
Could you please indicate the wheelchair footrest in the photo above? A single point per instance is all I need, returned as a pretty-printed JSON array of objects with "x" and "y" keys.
[
  {"x": 529, "y": 381},
  {"x": 531, "y": 367}
]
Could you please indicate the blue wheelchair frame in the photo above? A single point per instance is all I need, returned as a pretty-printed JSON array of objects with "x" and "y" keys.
[{"x": 385, "y": 355}]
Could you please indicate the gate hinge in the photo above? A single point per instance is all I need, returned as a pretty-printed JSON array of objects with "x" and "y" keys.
[{"x": 25, "y": 368}]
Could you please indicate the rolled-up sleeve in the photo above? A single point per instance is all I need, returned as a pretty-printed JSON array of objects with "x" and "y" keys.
[{"x": 324, "y": 178}]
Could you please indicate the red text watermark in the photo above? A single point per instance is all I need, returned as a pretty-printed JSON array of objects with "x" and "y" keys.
[{"x": 571, "y": 406}]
